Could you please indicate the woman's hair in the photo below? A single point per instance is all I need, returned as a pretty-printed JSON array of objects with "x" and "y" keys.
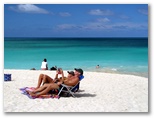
[{"x": 45, "y": 60}]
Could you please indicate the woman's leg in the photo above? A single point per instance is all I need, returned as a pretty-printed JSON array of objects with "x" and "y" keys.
[
  {"x": 44, "y": 89},
  {"x": 48, "y": 88},
  {"x": 45, "y": 79},
  {"x": 40, "y": 80},
  {"x": 40, "y": 88}
]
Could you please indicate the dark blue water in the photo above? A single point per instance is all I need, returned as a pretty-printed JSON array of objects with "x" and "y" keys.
[{"x": 117, "y": 55}]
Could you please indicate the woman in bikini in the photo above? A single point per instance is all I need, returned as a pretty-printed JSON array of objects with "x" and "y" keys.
[{"x": 55, "y": 84}]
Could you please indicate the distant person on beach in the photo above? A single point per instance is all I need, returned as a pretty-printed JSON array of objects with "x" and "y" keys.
[
  {"x": 44, "y": 65},
  {"x": 32, "y": 69},
  {"x": 97, "y": 66},
  {"x": 53, "y": 68},
  {"x": 71, "y": 81}
]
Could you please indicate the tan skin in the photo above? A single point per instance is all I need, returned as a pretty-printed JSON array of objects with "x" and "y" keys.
[
  {"x": 70, "y": 81},
  {"x": 47, "y": 79},
  {"x": 44, "y": 79}
]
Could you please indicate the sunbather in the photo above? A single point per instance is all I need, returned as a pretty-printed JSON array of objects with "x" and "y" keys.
[
  {"x": 44, "y": 79},
  {"x": 43, "y": 90}
]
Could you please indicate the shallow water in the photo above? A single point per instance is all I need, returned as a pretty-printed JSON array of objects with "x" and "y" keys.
[{"x": 117, "y": 55}]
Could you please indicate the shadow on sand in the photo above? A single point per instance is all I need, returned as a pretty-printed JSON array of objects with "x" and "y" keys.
[{"x": 78, "y": 95}]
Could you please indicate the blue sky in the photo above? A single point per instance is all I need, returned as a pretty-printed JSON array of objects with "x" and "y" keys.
[{"x": 76, "y": 20}]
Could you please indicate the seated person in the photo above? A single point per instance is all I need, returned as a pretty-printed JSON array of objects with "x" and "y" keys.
[
  {"x": 71, "y": 81},
  {"x": 44, "y": 65},
  {"x": 44, "y": 79}
]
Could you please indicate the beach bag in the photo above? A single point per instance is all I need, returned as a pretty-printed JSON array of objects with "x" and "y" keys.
[{"x": 7, "y": 77}]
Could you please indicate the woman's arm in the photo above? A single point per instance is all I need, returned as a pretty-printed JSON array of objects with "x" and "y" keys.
[
  {"x": 62, "y": 73},
  {"x": 56, "y": 76}
]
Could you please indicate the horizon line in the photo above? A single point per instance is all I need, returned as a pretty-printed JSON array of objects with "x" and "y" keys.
[{"x": 75, "y": 37}]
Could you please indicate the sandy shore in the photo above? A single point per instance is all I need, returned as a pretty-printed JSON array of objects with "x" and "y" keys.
[{"x": 99, "y": 92}]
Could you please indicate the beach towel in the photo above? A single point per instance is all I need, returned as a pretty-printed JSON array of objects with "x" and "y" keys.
[{"x": 25, "y": 89}]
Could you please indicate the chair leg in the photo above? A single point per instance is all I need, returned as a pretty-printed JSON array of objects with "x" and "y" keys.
[
  {"x": 60, "y": 91},
  {"x": 70, "y": 92}
]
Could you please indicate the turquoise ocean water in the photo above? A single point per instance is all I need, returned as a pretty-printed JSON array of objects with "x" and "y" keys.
[{"x": 117, "y": 55}]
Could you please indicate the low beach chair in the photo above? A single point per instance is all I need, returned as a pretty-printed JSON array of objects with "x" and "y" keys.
[{"x": 70, "y": 90}]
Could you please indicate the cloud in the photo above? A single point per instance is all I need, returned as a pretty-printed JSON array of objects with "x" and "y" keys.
[
  {"x": 64, "y": 14},
  {"x": 120, "y": 27},
  {"x": 103, "y": 20},
  {"x": 100, "y": 12},
  {"x": 143, "y": 11},
  {"x": 130, "y": 26},
  {"x": 28, "y": 8},
  {"x": 66, "y": 27},
  {"x": 124, "y": 17},
  {"x": 99, "y": 26}
]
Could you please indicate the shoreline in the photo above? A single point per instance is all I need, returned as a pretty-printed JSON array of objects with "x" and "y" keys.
[
  {"x": 94, "y": 71},
  {"x": 99, "y": 92}
]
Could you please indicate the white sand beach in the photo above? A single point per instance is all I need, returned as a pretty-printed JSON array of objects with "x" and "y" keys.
[{"x": 99, "y": 92}]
